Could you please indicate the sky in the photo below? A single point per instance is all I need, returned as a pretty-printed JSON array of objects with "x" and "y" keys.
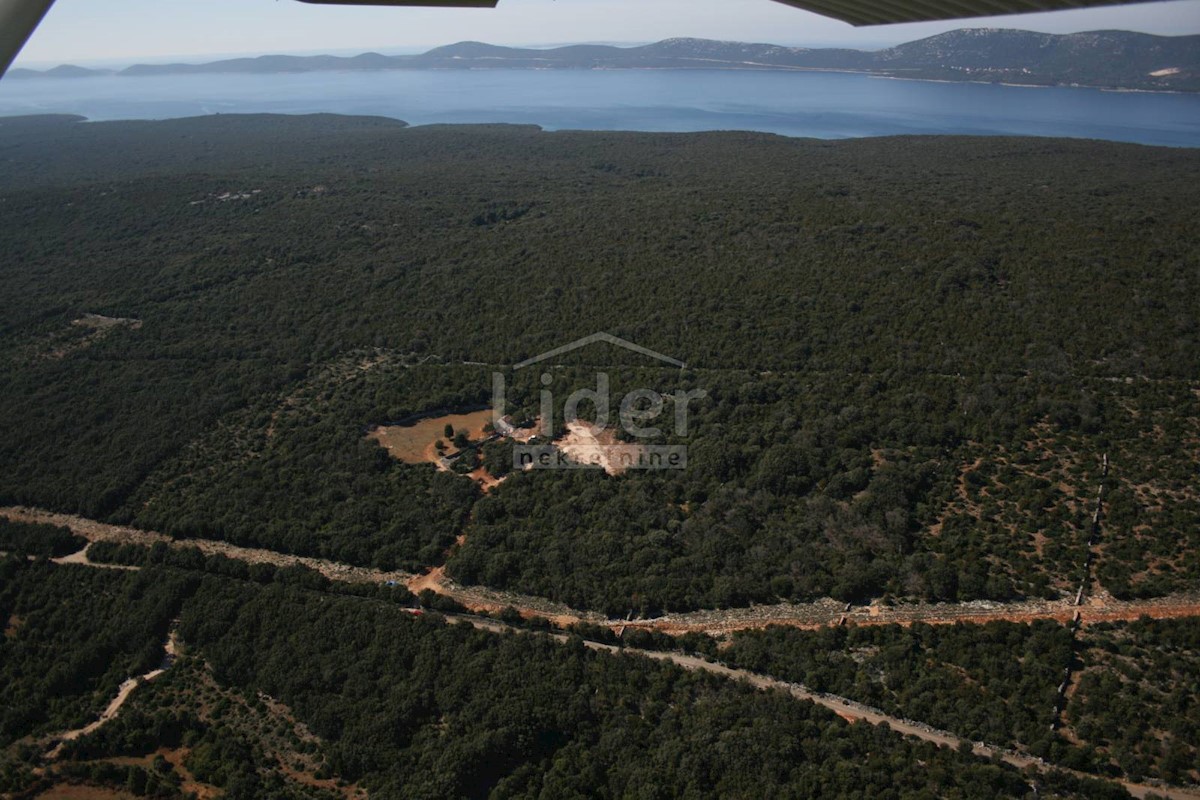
[{"x": 126, "y": 31}]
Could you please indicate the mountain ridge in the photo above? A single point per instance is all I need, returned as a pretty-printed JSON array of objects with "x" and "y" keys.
[{"x": 1102, "y": 59}]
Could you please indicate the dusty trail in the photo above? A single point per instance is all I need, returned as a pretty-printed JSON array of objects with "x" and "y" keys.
[
  {"x": 1099, "y": 607},
  {"x": 95, "y": 531},
  {"x": 82, "y": 558},
  {"x": 847, "y": 709},
  {"x": 170, "y": 650}
]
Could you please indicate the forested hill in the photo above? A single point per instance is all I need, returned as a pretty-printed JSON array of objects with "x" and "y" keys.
[
  {"x": 915, "y": 349},
  {"x": 1110, "y": 59}
]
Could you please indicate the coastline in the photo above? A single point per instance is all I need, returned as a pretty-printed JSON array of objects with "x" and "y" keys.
[{"x": 713, "y": 66}]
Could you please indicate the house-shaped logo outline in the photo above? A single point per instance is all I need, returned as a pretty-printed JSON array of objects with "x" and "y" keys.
[{"x": 599, "y": 337}]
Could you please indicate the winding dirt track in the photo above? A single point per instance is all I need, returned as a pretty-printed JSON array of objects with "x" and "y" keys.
[
  {"x": 810, "y": 615},
  {"x": 127, "y": 686}
]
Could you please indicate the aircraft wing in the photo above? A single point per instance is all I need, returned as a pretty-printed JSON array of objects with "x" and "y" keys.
[
  {"x": 856, "y": 12},
  {"x": 884, "y": 12}
]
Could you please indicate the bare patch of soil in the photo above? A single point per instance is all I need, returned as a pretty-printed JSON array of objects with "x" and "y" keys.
[
  {"x": 415, "y": 444},
  {"x": 486, "y": 480},
  {"x": 584, "y": 445},
  {"x": 175, "y": 757},
  {"x": 98, "y": 322},
  {"x": 97, "y": 327},
  {"x": 432, "y": 580}
]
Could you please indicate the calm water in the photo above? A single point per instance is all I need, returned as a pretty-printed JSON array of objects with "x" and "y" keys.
[{"x": 824, "y": 105}]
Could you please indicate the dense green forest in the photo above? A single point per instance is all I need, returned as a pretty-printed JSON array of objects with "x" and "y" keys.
[
  {"x": 915, "y": 349},
  {"x": 1132, "y": 710},
  {"x": 1128, "y": 707},
  {"x": 58, "y": 673},
  {"x": 37, "y": 540},
  {"x": 995, "y": 682},
  {"x": 1134, "y": 700},
  {"x": 284, "y": 690},
  {"x": 915, "y": 353}
]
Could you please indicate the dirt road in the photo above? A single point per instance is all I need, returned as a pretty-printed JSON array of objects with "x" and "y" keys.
[
  {"x": 803, "y": 615},
  {"x": 1099, "y": 607},
  {"x": 845, "y": 708},
  {"x": 171, "y": 648},
  {"x": 81, "y": 557},
  {"x": 102, "y": 532}
]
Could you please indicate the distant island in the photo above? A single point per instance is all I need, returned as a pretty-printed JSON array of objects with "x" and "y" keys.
[{"x": 1102, "y": 59}]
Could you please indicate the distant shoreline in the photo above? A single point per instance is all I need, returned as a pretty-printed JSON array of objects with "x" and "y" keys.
[
  {"x": 1023, "y": 85},
  {"x": 1106, "y": 60},
  {"x": 707, "y": 68},
  {"x": 826, "y": 104}
]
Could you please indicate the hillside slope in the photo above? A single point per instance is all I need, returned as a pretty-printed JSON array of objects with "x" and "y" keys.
[{"x": 1108, "y": 59}]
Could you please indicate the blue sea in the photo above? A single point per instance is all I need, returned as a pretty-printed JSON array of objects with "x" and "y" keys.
[{"x": 825, "y": 105}]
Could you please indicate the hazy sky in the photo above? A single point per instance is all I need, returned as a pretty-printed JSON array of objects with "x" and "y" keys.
[{"x": 128, "y": 30}]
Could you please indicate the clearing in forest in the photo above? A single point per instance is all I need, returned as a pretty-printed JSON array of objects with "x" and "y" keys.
[
  {"x": 416, "y": 443},
  {"x": 584, "y": 445}
]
